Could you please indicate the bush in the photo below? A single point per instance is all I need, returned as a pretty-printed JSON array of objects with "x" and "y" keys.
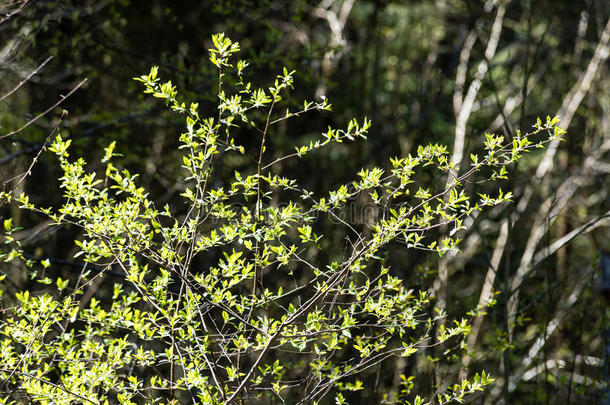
[{"x": 227, "y": 302}]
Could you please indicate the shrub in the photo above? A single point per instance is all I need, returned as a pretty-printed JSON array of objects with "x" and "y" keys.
[{"x": 226, "y": 303}]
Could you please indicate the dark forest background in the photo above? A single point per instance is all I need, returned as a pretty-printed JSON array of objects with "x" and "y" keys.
[{"x": 423, "y": 72}]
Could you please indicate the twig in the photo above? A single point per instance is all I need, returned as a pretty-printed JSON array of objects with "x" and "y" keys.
[
  {"x": 30, "y": 122},
  {"x": 28, "y": 77}
]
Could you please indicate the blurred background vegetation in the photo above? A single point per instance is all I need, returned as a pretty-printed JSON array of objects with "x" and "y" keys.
[{"x": 424, "y": 72}]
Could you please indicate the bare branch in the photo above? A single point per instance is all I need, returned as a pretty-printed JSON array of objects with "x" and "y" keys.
[
  {"x": 575, "y": 97},
  {"x": 336, "y": 22},
  {"x": 27, "y": 78},
  {"x": 45, "y": 112}
]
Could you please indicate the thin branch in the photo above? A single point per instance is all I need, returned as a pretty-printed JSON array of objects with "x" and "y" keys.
[
  {"x": 575, "y": 97},
  {"x": 45, "y": 112},
  {"x": 59, "y": 387},
  {"x": 460, "y": 131},
  {"x": 14, "y": 12},
  {"x": 565, "y": 303},
  {"x": 27, "y": 78},
  {"x": 462, "y": 70}
]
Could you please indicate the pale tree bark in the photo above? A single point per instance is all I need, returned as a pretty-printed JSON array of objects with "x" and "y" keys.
[
  {"x": 566, "y": 112},
  {"x": 462, "y": 70},
  {"x": 336, "y": 16},
  {"x": 569, "y": 187},
  {"x": 463, "y": 108},
  {"x": 565, "y": 305},
  {"x": 575, "y": 96},
  {"x": 12, "y": 9},
  {"x": 512, "y": 103}
]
